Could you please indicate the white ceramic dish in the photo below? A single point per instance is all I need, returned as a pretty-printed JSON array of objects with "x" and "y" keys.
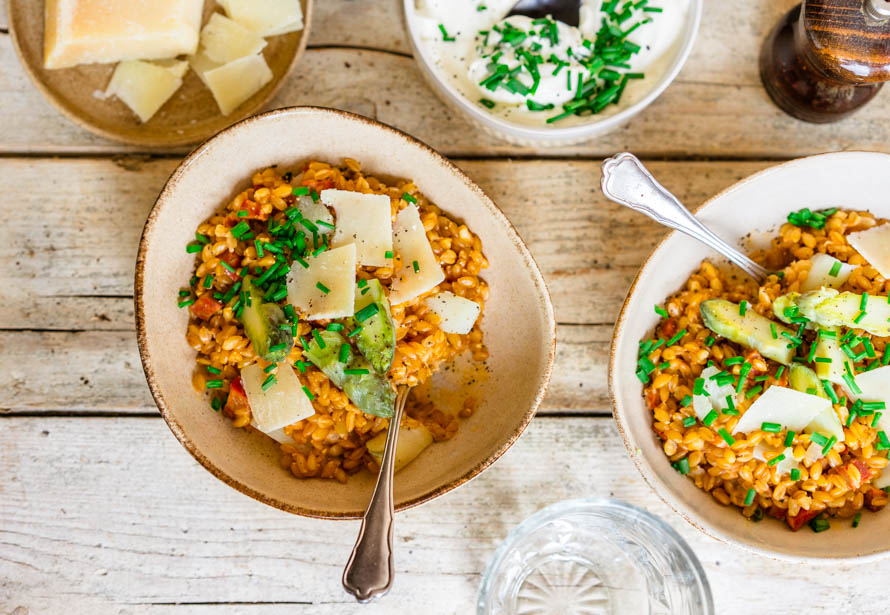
[
  {"x": 549, "y": 136},
  {"x": 757, "y": 205}
]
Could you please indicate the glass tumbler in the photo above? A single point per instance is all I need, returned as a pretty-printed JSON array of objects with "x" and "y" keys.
[{"x": 594, "y": 557}]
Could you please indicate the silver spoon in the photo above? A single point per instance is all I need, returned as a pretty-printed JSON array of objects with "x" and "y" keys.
[
  {"x": 566, "y": 11},
  {"x": 627, "y": 182},
  {"x": 369, "y": 572}
]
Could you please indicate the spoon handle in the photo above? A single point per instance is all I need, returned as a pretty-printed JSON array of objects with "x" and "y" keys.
[
  {"x": 627, "y": 182},
  {"x": 369, "y": 572}
]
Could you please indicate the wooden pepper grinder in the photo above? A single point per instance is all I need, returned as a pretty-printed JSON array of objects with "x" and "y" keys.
[{"x": 827, "y": 58}]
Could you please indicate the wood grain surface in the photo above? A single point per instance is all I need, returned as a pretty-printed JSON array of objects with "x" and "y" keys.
[{"x": 102, "y": 511}]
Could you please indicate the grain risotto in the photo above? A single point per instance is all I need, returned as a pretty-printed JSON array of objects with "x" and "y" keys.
[
  {"x": 773, "y": 397},
  {"x": 318, "y": 290}
]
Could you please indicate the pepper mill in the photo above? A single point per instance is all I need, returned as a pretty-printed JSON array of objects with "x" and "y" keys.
[{"x": 827, "y": 58}]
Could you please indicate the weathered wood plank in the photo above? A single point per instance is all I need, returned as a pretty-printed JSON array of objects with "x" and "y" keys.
[
  {"x": 716, "y": 108},
  {"x": 75, "y": 270},
  {"x": 109, "y": 515}
]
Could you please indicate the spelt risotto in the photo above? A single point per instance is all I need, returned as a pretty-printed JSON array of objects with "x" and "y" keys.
[
  {"x": 318, "y": 290},
  {"x": 773, "y": 398}
]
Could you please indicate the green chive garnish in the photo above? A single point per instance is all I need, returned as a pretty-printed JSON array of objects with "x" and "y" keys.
[
  {"x": 709, "y": 419},
  {"x": 789, "y": 438},
  {"x": 322, "y": 287},
  {"x": 308, "y": 393},
  {"x": 344, "y": 353},
  {"x": 356, "y": 372},
  {"x": 366, "y": 312},
  {"x": 661, "y": 311},
  {"x": 726, "y": 437},
  {"x": 214, "y": 384},
  {"x": 318, "y": 339},
  {"x": 749, "y": 497},
  {"x": 835, "y": 269},
  {"x": 689, "y": 421},
  {"x": 776, "y": 459},
  {"x": 193, "y": 247},
  {"x": 771, "y": 427}
]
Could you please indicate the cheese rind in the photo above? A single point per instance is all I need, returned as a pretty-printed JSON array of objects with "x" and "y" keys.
[
  {"x": 283, "y": 403},
  {"x": 874, "y": 246},
  {"x": 362, "y": 219},
  {"x": 101, "y": 31},
  {"x": 266, "y": 17},
  {"x": 233, "y": 83},
  {"x": 420, "y": 271},
  {"x": 143, "y": 86},
  {"x": 224, "y": 40},
  {"x": 335, "y": 270}
]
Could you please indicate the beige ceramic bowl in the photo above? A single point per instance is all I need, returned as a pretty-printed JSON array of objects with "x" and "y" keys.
[
  {"x": 190, "y": 116},
  {"x": 756, "y": 205},
  {"x": 518, "y": 318}
]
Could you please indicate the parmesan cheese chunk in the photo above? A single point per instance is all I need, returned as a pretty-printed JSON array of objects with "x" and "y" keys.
[
  {"x": 791, "y": 409},
  {"x": 91, "y": 31},
  {"x": 420, "y": 271},
  {"x": 875, "y": 387},
  {"x": 201, "y": 64},
  {"x": 874, "y": 246},
  {"x": 335, "y": 271},
  {"x": 143, "y": 86},
  {"x": 266, "y": 17},
  {"x": 316, "y": 212},
  {"x": 283, "y": 403},
  {"x": 236, "y": 81},
  {"x": 820, "y": 273},
  {"x": 717, "y": 397},
  {"x": 458, "y": 314},
  {"x": 362, "y": 219},
  {"x": 177, "y": 68},
  {"x": 224, "y": 40}
]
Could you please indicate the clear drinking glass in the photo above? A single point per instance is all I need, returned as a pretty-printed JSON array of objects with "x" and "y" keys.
[{"x": 594, "y": 557}]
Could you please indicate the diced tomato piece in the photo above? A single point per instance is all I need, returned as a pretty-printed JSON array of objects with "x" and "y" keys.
[
  {"x": 864, "y": 471},
  {"x": 875, "y": 499},
  {"x": 318, "y": 184},
  {"x": 253, "y": 209},
  {"x": 802, "y": 518},
  {"x": 232, "y": 260},
  {"x": 237, "y": 400},
  {"x": 754, "y": 358},
  {"x": 205, "y": 307},
  {"x": 777, "y": 513},
  {"x": 669, "y": 328},
  {"x": 652, "y": 398}
]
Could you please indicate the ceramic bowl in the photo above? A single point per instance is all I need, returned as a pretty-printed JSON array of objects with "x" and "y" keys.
[
  {"x": 190, "y": 116},
  {"x": 549, "y": 136},
  {"x": 519, "y": 366},
  {"x": 756, "y": 205}
]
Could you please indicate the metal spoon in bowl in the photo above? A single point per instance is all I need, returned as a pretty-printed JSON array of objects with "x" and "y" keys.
[
  {"x": 369, "y": 572},
  {"x": 566, "y": 11},
  {"x": 627, "y": 182}
]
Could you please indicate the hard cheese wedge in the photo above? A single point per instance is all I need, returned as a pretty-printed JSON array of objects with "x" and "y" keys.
[
  {"x": 717, "y": 398},
  {"x": 458, "y": 314},
  {"x": 789, "y": 408},
  {"x": 875, "y": 387},
  {"x": 821, "y": 270},
  {"x": 235, "y": 82},
  {"x": 282, "y": 403},
  {"x": 420, "y": 271},
  {"x": 266, "y": 17},
  {"x": 874, "y": 246},
  {"x": 143, "y": 86},
  {"x": 224, "y": 40},
  {"x": 91, "y": 31},
  {"x": 332, "y": 271},
  {"x": 362, "y": 219}
]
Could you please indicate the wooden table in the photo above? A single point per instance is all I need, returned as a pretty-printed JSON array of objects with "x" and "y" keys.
[{"x": 102, "y": 511}]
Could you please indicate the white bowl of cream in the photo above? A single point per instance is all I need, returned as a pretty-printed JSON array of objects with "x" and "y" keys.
[{"x": 541, "y": 82}]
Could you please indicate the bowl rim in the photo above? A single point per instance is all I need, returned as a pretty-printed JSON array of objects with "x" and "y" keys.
[
  {"x": 695, "y": 519},
  {"x": 579, "y": 131},
  {"x": 72, "y": 114},
  {"x": 157, "y": 394}
]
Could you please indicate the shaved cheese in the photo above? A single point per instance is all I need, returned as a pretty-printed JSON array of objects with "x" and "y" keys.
[
  {"x": 143, "y": 86},
  {"x": 91, "y": 31},
  {"x": 827, "y": 423},
  {"x": 761, "y": 450},
  {"x": 333, "y": 269},
  {"x": 820, "y": 273},
  {"x": 716, "y": 398},
  {"x": 235, "y": 82},
  {"x": 791, "y": 409},
  {"x": 420, "y": 271},
  {"x": 177, "y": 68},
  {"x": 316, "y": 212},
  {"x": 883, "y": 480},
  {"x": 224, "y": 40},
  {"x": 362, "y": 219},
  {"x": 283, "y": 403},
  {"x": 875, "y": 386},
  {"x": 458, "y": 314},
  {"x": 201, "y": 64},
  {"x": 266, "y": 17},
  {"x": 874, "y": 246}
]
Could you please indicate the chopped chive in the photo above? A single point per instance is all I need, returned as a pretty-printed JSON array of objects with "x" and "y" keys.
[
  {"x": 859, "y": 317},
  {"x": 689, "y": 421},
  {"x": 193, "y": 247},
  {"x": 835, "y": 269},
  {"x": 743, "y": 307},
  {"x": 819, "y": 524},
  {"x": 829, "y": 390},
  {"x": 214, "y": 384},
  {"x": 186, "y": 303},
  {"x": 216, "y": 404},
  {"x": 709, "y": 341},
  {"x": 789, "y": 438},
  {"x": 416, "y": 266},
  {"x": 324, "y": 224},
  {"x": 335, "y": 326},
  {"x": 366, "y": 312},
  {"x": 270, "y": 367},
  {"x": 686, "y": 401},
  {"x": 878, "y": 415},
  {"x": 445, "y": 37},
  {"x": 828, "y": 445},
  {"x": 699, "y": 386},
  {"x": 795, "y": 473},
  {"x": 753, "y": 391},
  {"x": 318, "y": 339},
  {"x": 408, "y": 198},
  {"x": 780, "y": 371},
  {"x": 771, "y": 427},
  {"x": 344, "y": 353},
  {"x": 661, "y": 311},
  {"x": 749, "y": 497},
  {"x": 185, "y": 293},
  {"x": 726, "y": 437},
  {"x": 239, "y": 229},
  {"x": 851, "y": 382},
  {"x": 818, "y": 438},
  {"x": 772, "y": 328},
  {"x": 710, "y": 417},
  {"x": 213, "y": 370},
  {"x": 300, "y": 366},
  {"x": 856, "y": 519},
  {"x": 322, "y": 287},
  {"x": 308, "y": 393},
  {"x": 734, "y": 361},
  {"x": 486, "y": 103},
  {"x": 277, "y": 347},
  {"x": 682, "y": 466},
  {"x": 388, "y": 254},
  {"x": 354, "y": 332},
  {"x": 676, "y": 337},
  {"x": 776, "y": 459},
  {"x": 356, "y": 372},
  {"x": 301, "y": 191},
  {"x": 823, "y": 360}
]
